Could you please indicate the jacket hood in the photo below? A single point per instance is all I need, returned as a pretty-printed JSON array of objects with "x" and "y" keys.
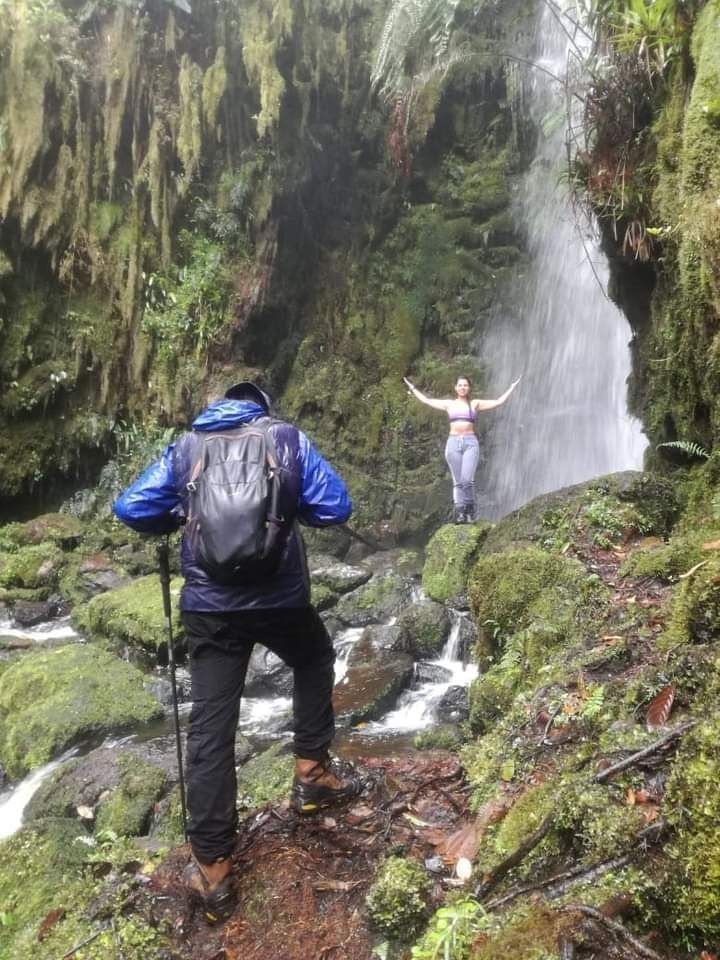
[{"x": 226, "y": 414}]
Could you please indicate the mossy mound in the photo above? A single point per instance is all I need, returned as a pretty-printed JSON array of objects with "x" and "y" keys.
[
  {"x": 60, "y": 528},
  {"x": 51, "y": 700},
  {"x": 128, "y": 809},
  {"x": 131, "y": 615},
  {"x": 45, "y": 873},
  {"x": 448, "y": 559},
  {"x": 397, "y": 902},
  {"x": 380, "y": 598},
  {"x": 266, "y": 778},
  {"x": 31, "y": 568},
  {"x": 695, "y": 611},
  {"x": 604, "y": 511}
]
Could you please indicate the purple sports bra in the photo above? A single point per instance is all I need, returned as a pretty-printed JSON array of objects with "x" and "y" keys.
[{"x": 469, "y": 417}]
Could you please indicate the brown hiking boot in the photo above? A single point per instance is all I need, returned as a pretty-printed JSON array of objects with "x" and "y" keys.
[{"x": 323, "y": 784}]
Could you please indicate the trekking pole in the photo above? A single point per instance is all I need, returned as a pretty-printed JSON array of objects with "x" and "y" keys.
[{"x": 163, "y": 552}]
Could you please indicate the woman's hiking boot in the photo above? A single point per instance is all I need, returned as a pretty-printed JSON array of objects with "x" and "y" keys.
[
  {"x": 213, "y": 886},
  {"x": 323, "y": 784},
  {"x": 458, "y": 515}
]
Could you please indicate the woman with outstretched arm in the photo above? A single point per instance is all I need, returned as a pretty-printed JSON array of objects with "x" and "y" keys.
[{"x": 462, "y": 450}]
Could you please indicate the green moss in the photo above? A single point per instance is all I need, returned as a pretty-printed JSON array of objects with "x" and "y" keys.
[
  {"x": 128, "y": 809},
  {"x": 132, "y": 615},
  {"x": 59, "y": 528},
  {"x": 266, "y": 778},
  {"x": 423, "y": 629},
  {"x": 31, "y": 567},
  {"x": 448, "y": 559},
  {"x": 397, "y": 899},
  {"x": 445, "y": 737},
  {"x": 50, "y": 700},
  {"x": 692, "y": 806},
  {"x": 695, "y": 608}
]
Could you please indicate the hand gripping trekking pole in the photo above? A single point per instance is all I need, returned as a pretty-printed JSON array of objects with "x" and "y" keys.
[{"x": 163, "y": 552}]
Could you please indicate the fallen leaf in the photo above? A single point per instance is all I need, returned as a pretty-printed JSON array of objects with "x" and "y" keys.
[
  {"x": 340, "y": 886},
  {"x": 50, "y": 920},
  {"x": 630, "y": 798},
  {"x": 463, "y": 844},
  {"x": 660, "y": 707},
  {"x": 712, "y": 545},
  {"x": 416, "y": 821},
  {"x": 612, "y": 638}
]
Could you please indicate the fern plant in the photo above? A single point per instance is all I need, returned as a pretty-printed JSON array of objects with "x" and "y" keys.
[{"x": 685, "y": 446}]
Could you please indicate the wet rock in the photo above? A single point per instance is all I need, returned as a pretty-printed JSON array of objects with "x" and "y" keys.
[
  {"x": 337, "y": 576},
  {"x": 13, "y": 642},
  {"x": 431, "y": 673},
  {"x": 117, "y": 789},
  {"x": 28, "y": 614},
  {"x": 267, "y": 675},
  {"x": 371, "y": 688},
  {"x": 384, "y": 636},
  {"x": 381, "y": 598},
  {"x": 88, "y": 576},
  {"x": 161, "y": 689},
  {"x": 453, "y": 706},
  {"x": 423, "y": 628},
  {"x": 51, "y": 699}
]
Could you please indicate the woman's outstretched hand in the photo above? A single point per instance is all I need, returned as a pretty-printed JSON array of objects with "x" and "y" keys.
[{"x": 515, "y": 382}]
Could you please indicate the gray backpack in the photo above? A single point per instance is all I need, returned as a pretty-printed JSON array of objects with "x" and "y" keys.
[{"x": 233, "y": 527}]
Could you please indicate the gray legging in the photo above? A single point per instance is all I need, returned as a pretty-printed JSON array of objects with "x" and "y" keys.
[{"x": 462, "y": 454}]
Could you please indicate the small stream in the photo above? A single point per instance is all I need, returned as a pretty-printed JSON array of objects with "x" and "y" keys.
[{"x": 264, "y": 719}]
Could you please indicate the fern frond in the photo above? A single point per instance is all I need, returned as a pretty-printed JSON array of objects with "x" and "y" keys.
[{"x": 685, "y": 446}]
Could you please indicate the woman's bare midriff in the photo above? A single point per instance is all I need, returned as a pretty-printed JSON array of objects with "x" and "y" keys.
[{"x": 461, "y": 429}]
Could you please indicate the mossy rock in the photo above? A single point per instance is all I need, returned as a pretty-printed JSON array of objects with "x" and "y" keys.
[
  {"x": 606, "y": 509},
  {"x": 423, "y": 628},
  {"x": 131, "y": 615},
  {"x": 31, "y": 568},
  {"x": 120, "y": 787},
  {"x": 322, "y": 597},
  {"x": 371, "y": 687},
  {"x": 448, "y": 558},
  {"x": 60, "y": 528},
  {"x": 49, "y": 701},
  {"x": 266, "y": 778},
  {"x": 337, "y": 576},
  {"x": 377, "y": 600},
  {"x": 167, "y": 825},
  {"x": 85, "y": 575},
  {"x": 397, "y": 902}
]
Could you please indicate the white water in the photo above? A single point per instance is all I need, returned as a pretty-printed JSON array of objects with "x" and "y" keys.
[
  {"x": 568, "y": 419},
  {"x": 43, "y": 632},
  {"x": 13, "y": 803},
  {"x": 416, "y": 708}
]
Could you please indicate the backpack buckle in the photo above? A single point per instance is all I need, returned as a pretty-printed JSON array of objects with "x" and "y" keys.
[{"x": 191, "y": 487}]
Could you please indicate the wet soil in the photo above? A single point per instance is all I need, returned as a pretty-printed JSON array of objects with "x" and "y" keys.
[{"x": 302, "y": 881}]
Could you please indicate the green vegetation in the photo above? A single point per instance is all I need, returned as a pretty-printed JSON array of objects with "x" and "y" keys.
[
  {"x": 49, "y": 701},
  {"x": 448, "y": 560},
  {"x": 397, "y": 900}
]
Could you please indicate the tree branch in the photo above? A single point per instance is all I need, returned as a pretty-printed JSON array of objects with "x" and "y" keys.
[{"x": 634, "y": 758}]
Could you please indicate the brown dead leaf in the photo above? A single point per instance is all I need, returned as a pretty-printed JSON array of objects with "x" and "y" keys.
[
  {"x": 339, "y": 886},
  {"x": 463, "y": 843},
  {"x": 712, "y": 545},
  {"x": 630, "y": 798},
  {"x": 650, "y": 813},
  {"x": 50, "y": 920},
  {"x": 359, "y": 813},
  {"x": 660, "y": 707}
]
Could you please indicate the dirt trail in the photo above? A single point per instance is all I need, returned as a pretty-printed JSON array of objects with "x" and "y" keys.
[{"x": 302, "y": 881}]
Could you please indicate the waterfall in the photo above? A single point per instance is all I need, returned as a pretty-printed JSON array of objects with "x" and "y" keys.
[{"x": 568, "y": 419}]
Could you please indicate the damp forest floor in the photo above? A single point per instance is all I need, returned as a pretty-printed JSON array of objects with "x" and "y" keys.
[{"x": 302, "y": 880}]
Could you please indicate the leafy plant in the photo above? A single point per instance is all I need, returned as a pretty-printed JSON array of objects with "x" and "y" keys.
[
  {"x": 685, "y": 446},
  {"x": 451, "y": 932}
]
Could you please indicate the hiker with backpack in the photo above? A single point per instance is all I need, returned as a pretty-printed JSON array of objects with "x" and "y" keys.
[{"x": 239, "y": 483}]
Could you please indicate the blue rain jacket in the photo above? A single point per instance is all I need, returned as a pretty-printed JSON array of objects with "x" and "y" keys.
[{"x": 157, "y": 502}]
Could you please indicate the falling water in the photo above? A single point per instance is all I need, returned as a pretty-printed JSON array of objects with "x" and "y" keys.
[{"x": 568, "y": 419}]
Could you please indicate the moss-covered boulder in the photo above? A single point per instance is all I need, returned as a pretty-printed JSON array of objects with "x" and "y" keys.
[
  {"x": 337, "y": 576},
  {"x": 266, "y": 778},
  {"x": 60, "y": 528},
  {"x": 397, "y": 902},
  {"x": 423, "y": 628},
  {"x": 31, "y": 568},
  {"x": 51, "y": 700},
  {"x": 605, "y": 511},
  {"x": 377, "y": 600},
  {"x": 448, "y": 558},
  {"x": 131, "y": 615},
  {"x": 120, "y": 789},
  {"x": 86, "y": 575}
]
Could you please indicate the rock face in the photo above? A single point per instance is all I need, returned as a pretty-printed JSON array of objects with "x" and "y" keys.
[
  {"x": 423, "y": 629},
  {"x": 371, "y": 687},
  {"x": 379, "y": 599},
  {"x": 448, "y": 559},
  {"x": 51, "y": 700}
]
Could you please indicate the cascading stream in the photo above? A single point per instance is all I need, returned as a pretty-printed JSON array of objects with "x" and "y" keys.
[{"x": 568, "y": 420}]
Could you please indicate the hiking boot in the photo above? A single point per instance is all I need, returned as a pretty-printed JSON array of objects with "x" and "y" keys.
[
  {"x": 468, "y": 513},
  {"x": 458, "y": 515},
  {"x": 309, "y": 795},
  {"x": 217, "y": 899}
]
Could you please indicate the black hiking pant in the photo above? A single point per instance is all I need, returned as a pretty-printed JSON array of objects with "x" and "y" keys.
[{"x": 220, "y": 645}]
